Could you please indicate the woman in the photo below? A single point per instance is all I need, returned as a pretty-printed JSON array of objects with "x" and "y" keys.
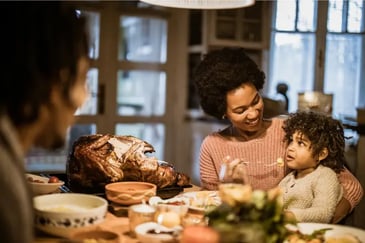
[
  {"x": 43, "y": 83},
  {"x": 229, "y": 84}
]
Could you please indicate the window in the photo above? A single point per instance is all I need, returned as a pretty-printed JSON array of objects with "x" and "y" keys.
[{"x": 318, "y": 46}]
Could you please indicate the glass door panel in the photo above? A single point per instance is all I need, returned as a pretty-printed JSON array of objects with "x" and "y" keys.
[
  {"x": 142, "y": 39},
  {"x": 91, "y": 104},
  {"x": 141, "y": 93},
  {"x": 93, "y": 26}
]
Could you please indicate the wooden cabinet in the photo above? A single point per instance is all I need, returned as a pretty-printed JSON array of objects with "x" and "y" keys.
[
  {"x": 246, "y": 27},
  {"x": 213, "y": 29}
]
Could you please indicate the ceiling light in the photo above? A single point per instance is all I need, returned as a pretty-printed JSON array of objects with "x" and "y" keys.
[{"x": 201, "y": 4}]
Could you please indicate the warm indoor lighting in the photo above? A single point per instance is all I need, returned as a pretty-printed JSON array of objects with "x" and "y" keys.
[{"x": 201, "y": 4}]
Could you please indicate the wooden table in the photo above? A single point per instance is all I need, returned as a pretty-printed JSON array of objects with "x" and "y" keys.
[{"x": 117, "y": 222}]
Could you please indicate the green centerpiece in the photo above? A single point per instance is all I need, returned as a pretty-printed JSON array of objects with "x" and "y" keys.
[{"x": 249, "y": 216}]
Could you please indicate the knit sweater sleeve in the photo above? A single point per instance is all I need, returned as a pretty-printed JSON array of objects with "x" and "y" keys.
[
  {"x": 208, "y": 171},
  {"x": 353, "y": 191}
]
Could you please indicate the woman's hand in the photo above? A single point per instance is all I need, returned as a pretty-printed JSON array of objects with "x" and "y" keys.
[{"x": 342, "y": 210}]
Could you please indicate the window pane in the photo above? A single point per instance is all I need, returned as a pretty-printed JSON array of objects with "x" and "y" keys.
[
  {"x": 93, "y": 27},
  {"x": 142, "y": 39},
  {"x": 306, "y": 19},
  {"x": 343, "y": 69},
  {"x": 285, "y": 15},
  {"x": 355, "y": 17},
  {"x": 151, "y": 133},
  {"x": 292, "y": 62},
  {"x": 141, "y": 93},
  {"x": 335, "y": 16},
  {"x": 90, "y": 105},
  {"x": 42, "y": 160}
]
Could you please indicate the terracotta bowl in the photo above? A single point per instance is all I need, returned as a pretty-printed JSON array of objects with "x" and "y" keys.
[{"x": 130, "y": 192}]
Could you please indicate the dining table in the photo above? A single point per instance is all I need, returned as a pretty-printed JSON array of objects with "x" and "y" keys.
[{"x": 116, "y": 220}]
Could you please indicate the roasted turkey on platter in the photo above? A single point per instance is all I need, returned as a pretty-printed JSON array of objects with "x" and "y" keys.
[{"x": 98, "y": 159}]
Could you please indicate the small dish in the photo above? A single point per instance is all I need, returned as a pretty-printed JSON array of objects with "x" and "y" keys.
[
  {"x": 40, "y": 185},
  {"x": 130, "y": 192},
  {"x": 177, "y": 205},
  {"x": 201, "y": 201},
  {"x": 151, "y": 232}
]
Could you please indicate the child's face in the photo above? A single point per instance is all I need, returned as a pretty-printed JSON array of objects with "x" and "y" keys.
[{"x": 299, "y": 153}]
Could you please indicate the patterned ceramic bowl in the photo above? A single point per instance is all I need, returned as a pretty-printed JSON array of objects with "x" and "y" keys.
[
  {"x": 130, "y": 192},
  {"x": 62, "y": 214}
]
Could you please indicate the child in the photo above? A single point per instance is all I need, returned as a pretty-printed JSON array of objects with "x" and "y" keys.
[{"x": 315, "y": 153}]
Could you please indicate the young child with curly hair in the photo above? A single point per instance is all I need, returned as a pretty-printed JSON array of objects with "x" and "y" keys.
[{"x": 315, "y": 152}]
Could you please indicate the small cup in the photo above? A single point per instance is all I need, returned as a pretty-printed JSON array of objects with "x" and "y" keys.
[{"x": 138, "y": 214}]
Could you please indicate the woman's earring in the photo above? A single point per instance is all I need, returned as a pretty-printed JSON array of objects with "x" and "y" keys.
[{"x": 224, "y": 116}]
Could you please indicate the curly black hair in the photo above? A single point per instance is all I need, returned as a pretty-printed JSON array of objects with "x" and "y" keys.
[
  {"x": 221, "y": 71},
  {"x": 38, "y": 41},
  {"x": 323, "y": 132}
]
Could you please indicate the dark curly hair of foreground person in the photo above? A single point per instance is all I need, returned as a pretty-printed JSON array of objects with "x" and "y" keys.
[
  {"x": 322, "y": 131},
  {"x": 221, "y": 71}
]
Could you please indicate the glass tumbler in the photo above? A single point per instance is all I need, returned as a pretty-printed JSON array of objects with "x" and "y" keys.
[{"x": 138, "y": 214}]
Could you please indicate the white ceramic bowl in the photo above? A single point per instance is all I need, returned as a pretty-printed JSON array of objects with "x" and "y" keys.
[
  {"x": 166, "y": 234},
  {"x": 62, "y": 214},
  {"x": 40, "y": 184}
]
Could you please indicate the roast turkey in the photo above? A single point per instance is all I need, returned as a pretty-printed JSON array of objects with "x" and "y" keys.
[{"x": 98, "y": 159}]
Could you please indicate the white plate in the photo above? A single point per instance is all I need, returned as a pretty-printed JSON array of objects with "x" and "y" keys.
[
  {"x": 201, "y": 200},
  {"x": 144, "y": 237},
  {"x": 39, "y": 188},
  {"x": 335, "y": 232}
]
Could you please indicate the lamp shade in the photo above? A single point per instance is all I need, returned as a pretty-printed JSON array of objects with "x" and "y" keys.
[{"x": 201, "y": 4}]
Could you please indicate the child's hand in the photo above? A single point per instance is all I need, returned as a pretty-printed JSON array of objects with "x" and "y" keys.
[{"x": 289, "y": 215}]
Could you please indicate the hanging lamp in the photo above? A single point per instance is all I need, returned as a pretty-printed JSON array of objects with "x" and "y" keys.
[{"x": 201, "y": 4}]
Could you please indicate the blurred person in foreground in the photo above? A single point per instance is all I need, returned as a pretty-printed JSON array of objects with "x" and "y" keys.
[
  {"x": 43, "y": 82},
  {"x": 229, "y": 82},
  {"x": 315, "y": 152}
]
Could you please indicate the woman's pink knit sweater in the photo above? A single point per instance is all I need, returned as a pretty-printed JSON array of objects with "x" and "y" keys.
[{"x": 262, "y": 156}]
